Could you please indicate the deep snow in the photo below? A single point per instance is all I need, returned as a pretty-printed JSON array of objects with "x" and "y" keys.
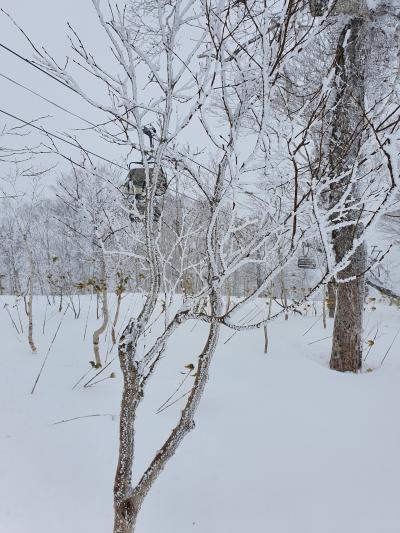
[{"x": 282, "y": 444}]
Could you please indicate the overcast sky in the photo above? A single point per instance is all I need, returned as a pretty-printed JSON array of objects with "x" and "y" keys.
[{"x": 45, "y": 21}]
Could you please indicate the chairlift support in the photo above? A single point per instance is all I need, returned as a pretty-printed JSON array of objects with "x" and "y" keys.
[
  {"x": 305, "y": 261},
  {"x": 135, "y": 185}
]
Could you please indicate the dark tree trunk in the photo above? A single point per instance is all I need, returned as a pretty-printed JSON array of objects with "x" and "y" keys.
[
  {"x": 348, "y": 125},
  {"x": 346, "y": 353},
  {"x": 128, "y": 499},
  {"x": 125, "y": 517}
]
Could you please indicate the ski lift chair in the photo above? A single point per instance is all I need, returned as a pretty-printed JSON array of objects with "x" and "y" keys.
[
  {"x": 135, "y": 187},
  {"x": 317, "y": 7},
  {"x": 339, "y": 7},
  {"x": 305, "y": 261}
]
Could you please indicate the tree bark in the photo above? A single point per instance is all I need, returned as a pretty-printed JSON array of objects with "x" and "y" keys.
[
  {"x": 125, "y": 517},
  {"x": 348, "y": 124},
  {"x": 128, "y": 499},
  {"x": 346, "y": 355},
  {"x": 125, "y": 513}
]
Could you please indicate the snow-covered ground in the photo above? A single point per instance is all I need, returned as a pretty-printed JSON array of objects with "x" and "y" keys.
[{"x": 282, "y": 444}]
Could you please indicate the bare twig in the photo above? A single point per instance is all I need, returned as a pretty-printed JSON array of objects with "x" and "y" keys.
[{"x": 80, "y": 418}]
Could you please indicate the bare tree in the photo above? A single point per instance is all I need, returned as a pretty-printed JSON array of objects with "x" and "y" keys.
[
  {"x": 94, "y": 201},
  {"x": 23, "y": 206},
  {"x": 215, "y": 82}
]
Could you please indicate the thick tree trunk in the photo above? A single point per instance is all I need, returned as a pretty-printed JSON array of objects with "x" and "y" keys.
[
  {"x": 125, "y": 517},
  {"x": 124, "y": 512},
  {"x": 128, "y": 499},
  {"x": 346, "y": 353},
  {"x": 123, "y": 522},
  {"x": 348, "y": 121}
]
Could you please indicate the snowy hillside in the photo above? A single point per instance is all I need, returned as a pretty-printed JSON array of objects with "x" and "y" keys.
[{"x": 282, "y": 444}]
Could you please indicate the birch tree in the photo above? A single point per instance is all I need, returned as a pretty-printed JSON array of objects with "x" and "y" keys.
[
  {"x": 22, "y": 206},
  {"x": 94, "y": 201}
]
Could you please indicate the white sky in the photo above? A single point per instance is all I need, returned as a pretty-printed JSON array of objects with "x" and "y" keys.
[{"x": 45, "y": 21}]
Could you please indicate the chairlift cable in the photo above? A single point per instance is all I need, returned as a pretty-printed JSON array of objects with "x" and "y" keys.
[
  {"x": 31, "y": 63},
  {"x": 19, "y": 56},
  {"x": 48, "y": 100},
  {"x": 63, "y": 109},
  {"x": 43, "y": 130},
  {"x": 43, "y": 71},
  {"x": 55, "y": 136},
  {"x": 80, "y": 147}
]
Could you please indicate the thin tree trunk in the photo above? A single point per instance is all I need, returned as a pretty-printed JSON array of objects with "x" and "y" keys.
[
  {"x": 266, "y": 338},
  {"x": 103, "y": 326},
  {"x": 29, "y": 302},
  {"x": 97, "y": 305},
  {"x": 30, "y": 315},
  {"x": 331, "y": 299},
  {"x": 127, "y": 499},
  {"x": 284, "y": 294},
  {"x": 60, "y": 306},
  {"x": 114, "y": 325},
  {"x": 324, "y": 305}
]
